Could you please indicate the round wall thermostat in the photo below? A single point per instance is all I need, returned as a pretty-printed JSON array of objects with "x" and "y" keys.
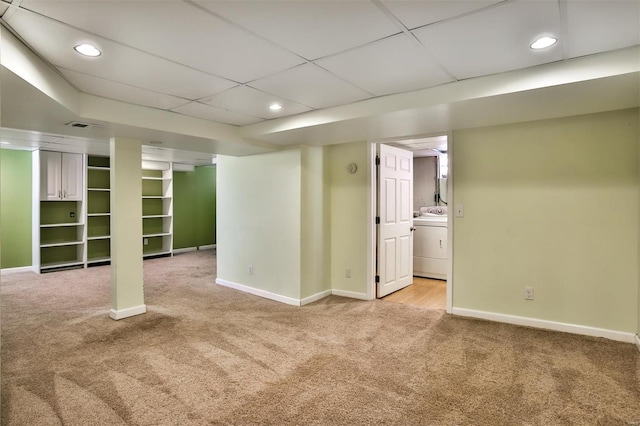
[{"x": 352, "y": 168}]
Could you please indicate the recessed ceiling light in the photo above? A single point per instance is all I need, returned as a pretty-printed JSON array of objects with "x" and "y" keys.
[
  {"x": 87, "y": 50},
  {"x": 275, "y": 107},
  {"x": 543, "y": 42}
]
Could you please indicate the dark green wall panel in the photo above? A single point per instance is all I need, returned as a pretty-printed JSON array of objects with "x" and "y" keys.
[
  {"x": 15, "y": 214},
  {"x": 194, "y": 207}
]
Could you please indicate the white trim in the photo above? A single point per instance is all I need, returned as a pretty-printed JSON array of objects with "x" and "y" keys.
[
  {"x": 315, "y": 297},
  {"x": 547, "y": 325},
  {"x": 184, "y": 250},
  {"x": 258, "y": 292},
  {"x": 207, "y": 247},
  {"x": 371, "y": 223},
  {"x": 350, "y": 294},
  {"x": 637, "y": 339},
  {"x": 450, "y": 217},
  {"x": 128, "y": 312},
  {"x": 9, "y": 271}
]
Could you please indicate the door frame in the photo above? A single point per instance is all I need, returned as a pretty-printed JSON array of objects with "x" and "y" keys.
[{"x": 372, "y": 233}]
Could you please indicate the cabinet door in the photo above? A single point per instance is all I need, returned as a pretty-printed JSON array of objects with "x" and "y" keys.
[
  {"x": 50, "y": 176},
  {"x": 435, "y": 242},
  {"x": 72, "y": 172}
]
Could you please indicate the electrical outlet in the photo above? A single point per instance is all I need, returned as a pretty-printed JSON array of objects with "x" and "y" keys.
[
  {"x": 528, "y": 293},
  {"x": 146, "y": 241},
  {"x": 347, "y": 273},
  {"x": 250, "y": 269},
  {"x": 72, "y": 215}
]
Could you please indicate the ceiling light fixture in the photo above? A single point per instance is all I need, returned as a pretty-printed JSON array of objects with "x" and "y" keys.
[
  {"x": 275, "y": 107},
  {"x": 543, "y": 42},
  {"x": 87, "y": 50}
]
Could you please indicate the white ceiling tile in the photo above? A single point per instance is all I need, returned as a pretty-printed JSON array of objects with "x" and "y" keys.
[
  {"x": 415, "y": 14},
  {"x": 312, "y": 29},
  {"x": 312, "y": 86},
  {"x": 3, "y": 7},
  {"x": 598, "y": 26},
  {"x": 16, "y": 135},
  {"x": 249, "y": 101},
  {"x": 395, "y": 64},
  {"x": 208, "y": 112},
  {"x": 117, "y": 63},
  {"x": 175, "y": 30},
  {"x": 494, "y": 40},
  {"x": 121, "y": 92}
]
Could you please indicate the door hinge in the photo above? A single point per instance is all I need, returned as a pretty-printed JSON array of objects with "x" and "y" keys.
[
  {"x": 377, "y": 220},
  {"x": 377, "y": 160},
  {"x": 377, "y": 279}
]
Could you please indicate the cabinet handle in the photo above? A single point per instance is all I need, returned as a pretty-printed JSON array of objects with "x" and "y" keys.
[
  {"x": 64, "y": 194},
  {"x": 440, "y": 242},
  {"x": 59, "y": 194}
]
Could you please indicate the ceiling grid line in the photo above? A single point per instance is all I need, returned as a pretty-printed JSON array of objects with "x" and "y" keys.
[{"x": 412, "y": 37}]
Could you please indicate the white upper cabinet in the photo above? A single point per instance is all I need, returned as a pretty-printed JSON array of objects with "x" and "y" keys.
[{"x": 61, "y": 176}]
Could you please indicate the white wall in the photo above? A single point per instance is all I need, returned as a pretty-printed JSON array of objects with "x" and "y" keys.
[
  {"x": 349, "y": 213},
  {"x": 551, "y": 204},
  {"x": 424, "y": 181},
  {"x": 258, "y": 221}
]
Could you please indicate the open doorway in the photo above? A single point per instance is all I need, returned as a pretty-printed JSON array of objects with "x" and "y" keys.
[{"x": 431, "y": 253}]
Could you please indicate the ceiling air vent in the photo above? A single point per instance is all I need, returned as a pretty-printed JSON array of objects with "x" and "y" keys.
[{"x": 81, "y": 125}]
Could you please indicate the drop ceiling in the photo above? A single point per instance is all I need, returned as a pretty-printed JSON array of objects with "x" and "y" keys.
[{"x": 227, "y": 61}]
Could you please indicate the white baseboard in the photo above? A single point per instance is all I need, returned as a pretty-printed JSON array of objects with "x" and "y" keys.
[
  {"x": 129, "y": 312},
  {"x": 258, "y": 292},
  {"x": 548, "y": 325},
  {"x": 184, "y": 250},
  {"x": 8, "y": 271},
  {"x": 315, "y": 297},
  {"x": 637, "y": 339},
  {"x": 351, "y": 294},
  {"x": 207, "y": 247}
]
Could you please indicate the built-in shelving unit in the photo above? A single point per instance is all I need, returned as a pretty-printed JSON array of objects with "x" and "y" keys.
[
  {"x": 98, "y": 210},
  {"x": 157, "y": 208},
  {"x": 59, "y": 226}
]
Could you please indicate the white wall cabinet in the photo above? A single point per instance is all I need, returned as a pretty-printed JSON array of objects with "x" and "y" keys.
[
  {"x": 430, "y": 252},
  {"x": 61, "y": 176}
]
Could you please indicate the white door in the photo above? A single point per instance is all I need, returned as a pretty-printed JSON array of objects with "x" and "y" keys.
[
  {"x": 50, "y": 172},
  {"x": 395, "y": 209},
  {"x": 72, "y": 171}
]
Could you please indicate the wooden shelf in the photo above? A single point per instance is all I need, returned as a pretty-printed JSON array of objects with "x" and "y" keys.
[
  {"x": 161, "y": 234},
  {"x": 156, "y": 216},
  {"x": 98, "y": 214},
  {"x": 157, "y": 253},
  {"x": 106, "y": 169},
  {"x": 55, "y": 265},
  {"x": 59, "y": 225},
  {"x": 99, "y": 189},
  {"x": 99, "y": 237},
  {"x": 62, "y": 243},
  {"x": 98, "y": 260}
]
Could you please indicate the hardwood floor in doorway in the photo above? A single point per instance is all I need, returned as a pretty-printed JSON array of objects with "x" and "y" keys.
[{"x": 423, "y": 293}]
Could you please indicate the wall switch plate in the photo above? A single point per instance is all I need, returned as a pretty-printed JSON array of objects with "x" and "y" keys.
[
  {"x": 460, "y": 210},
  {"x": 250, "y": 269},
  {"x": 347, "y": 273},
  {"x": 72, "y": 215},
  {"x": 528, "y": 293}
]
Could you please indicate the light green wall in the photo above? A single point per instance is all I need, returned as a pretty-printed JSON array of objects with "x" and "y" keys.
[
  {"x": 551, "y": 204},
  {"x": 315, "y": 250},
  {"x": 349, "y": 211},
  {"x": 15, "y": 186},
  {"x": 258, "y": 219}
]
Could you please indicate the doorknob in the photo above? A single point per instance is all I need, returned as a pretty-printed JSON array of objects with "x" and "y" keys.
[{"x": 413, "y": 228}]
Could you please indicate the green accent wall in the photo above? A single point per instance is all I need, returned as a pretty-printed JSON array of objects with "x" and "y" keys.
[
  {"x": 194, "y": 207},
  {"x": 15, "y": 209}
]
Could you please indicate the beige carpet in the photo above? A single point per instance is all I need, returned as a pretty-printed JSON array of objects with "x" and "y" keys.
[{"x": 205, "y": 354}]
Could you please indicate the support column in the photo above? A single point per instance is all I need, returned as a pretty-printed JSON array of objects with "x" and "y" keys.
[{"x": 127, "y": 294}]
